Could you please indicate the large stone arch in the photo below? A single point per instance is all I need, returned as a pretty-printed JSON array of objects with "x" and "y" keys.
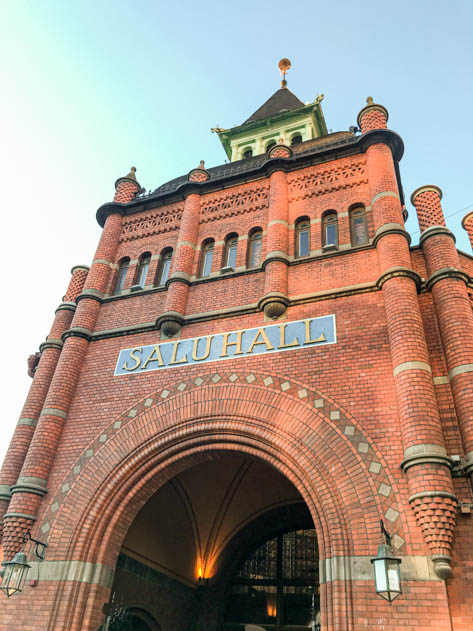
[{"x": 303, "y": 434}]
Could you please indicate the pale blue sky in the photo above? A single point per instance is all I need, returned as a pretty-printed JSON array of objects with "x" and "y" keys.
[{"x": 90, "y": 88}]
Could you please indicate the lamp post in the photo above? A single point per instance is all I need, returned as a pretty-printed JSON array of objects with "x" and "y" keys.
[{"x": 387, "y": 573}]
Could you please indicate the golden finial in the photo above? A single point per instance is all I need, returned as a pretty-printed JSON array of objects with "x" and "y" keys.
[
  {"x": 131, "y": 174},
  {"x": 369, "y": 100},
  {"x": 284, "y": 66},
  {"x": 201, "y": 165}
]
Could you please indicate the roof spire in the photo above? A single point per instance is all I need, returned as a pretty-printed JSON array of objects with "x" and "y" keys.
[{"x": 284, "y": 66}]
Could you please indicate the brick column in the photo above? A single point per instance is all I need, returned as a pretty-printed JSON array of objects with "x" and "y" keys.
[
  {"x": 36, "y": 468},
  {"x": 448, "y": 285},
  {"x": 275, "y": 300},
  {"x": 50, "y": 351},
  {"x": 171, "y": 320},
  {"x": 425, "y": 462},
  {"x": 467, "y": 223}
]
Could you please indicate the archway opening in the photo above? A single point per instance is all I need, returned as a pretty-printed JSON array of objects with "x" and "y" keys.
[{"x": 222, "y": 545}]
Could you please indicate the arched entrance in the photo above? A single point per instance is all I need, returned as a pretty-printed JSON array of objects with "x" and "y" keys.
[
  {"x": 224, "y": 544},
  {"x": 298, "y": 432}
]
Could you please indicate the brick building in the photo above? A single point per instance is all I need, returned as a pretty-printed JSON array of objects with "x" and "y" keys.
[{"x": 256, "y": 369}]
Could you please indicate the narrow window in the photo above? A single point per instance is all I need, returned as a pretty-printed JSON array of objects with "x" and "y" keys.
[
  {"x": 330, "y": 229},
  {"x": 271, "y": 143},
  {"x": 302, "y": 234},
  {"x": 296, "y": 139},
  {"x": 143, "y": 267},
  {"x": 358, "y": 226},
  {"x": 207, "y": 257},
  {"x": 247, "y": 153},
  {"x": 231, "y": 248},
  {"x": 121, "y": 275},
  {"x": 254, "y": 253},
  {"x": 164, "y": 266}
]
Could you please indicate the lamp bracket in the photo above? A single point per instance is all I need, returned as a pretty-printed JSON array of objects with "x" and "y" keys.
[{"x": 40, "y": 547}]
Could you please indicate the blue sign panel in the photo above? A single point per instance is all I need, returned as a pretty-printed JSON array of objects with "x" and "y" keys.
[{"x": 274, "y": 338}]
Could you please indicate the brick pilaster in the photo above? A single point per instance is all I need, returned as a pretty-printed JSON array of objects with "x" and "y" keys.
[
  {"x": 178, "y": 284},
  {"x": 425, "y": 463},
  {"x": 33, "y": 479},
  {"x": 275, "y": 299},
  {"x": 448, "y": 285},
  {"x": 50, "y": 352}
]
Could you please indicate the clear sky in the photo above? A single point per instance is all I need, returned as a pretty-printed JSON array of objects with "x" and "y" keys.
[{"x": 90, "y": 88}]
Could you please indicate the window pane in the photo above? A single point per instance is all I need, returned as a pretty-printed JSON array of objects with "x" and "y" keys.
[
  {"x": 144, "y": 266},
  {"x": 231, "y": 255},
  {"x": 207, "y": 266},
  {"x": 121, "y": 278},
  {"x": 255, "y": 252},
  {"x": 166, "y": 264},
  {"x": 331, "y": 234},
  {"x": 359, "y": 229},
  {"x": 303, "y": 243}
]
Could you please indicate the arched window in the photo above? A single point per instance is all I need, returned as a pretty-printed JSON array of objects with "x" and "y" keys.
[
  {"x": 207, "y": 258},
  {"x": 330, "y": 229},
  {"x": 277, "y": 587},
  {"x": 142, "y": 271},
  {"x": 230, "y": 251},
  {"x": 255, "y": 247},
  {"x": 302, "y": 235},
  {"x": 121, "y": 275},
  {"x": 296, "y": 139},
  {"x": 271, "y": 143},
  {"x": 358, "y": 226},
  {"x": 164, "y": 267},
  {"x": 247, "y": 153}
]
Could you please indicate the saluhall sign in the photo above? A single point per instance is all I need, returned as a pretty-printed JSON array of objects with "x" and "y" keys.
[{"x": 273, "y": 338}]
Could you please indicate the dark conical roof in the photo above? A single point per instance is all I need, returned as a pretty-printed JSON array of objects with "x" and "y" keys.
[{"x": 282, "y": 100}]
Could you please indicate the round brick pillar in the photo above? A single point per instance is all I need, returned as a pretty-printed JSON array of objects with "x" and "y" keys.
[
  {"x": 448, "y": 285},
  {"x": 50, "y": 352},
  {"x": 467, "y": 223},
  {"x": 32, "y": 481},
  {"x": 425, "y": 463},
  {"x": 275, "y": 300},
  {"x": 170, "y": 322}
]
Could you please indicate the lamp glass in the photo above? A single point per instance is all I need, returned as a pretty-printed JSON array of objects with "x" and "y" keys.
[
  {"x": 15, "y": 574},
  {"x": 387, "y": 574}
]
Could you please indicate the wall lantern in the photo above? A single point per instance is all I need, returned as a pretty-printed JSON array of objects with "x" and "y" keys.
[
  {"x": 387, "y": 573},
  {"x": 14, "y": 574},
  {"x": 15, "y": 571}
]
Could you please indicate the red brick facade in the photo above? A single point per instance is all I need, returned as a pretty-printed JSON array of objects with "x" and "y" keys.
[{"x": 365, "y": 428}]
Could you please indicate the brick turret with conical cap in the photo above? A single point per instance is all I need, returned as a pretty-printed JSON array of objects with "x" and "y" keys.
[{"x": 126, "y": 187}]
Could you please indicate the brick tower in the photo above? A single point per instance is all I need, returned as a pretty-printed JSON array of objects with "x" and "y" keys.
[{"x": 255, "y": 371}]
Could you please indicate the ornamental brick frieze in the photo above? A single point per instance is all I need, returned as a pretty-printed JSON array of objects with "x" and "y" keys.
[
  {"x": 311, "y": 183},
  {"x": 219, "y": 206},
  {"x": 158, "y": 221},
  {"x": 346, "y": 427}
]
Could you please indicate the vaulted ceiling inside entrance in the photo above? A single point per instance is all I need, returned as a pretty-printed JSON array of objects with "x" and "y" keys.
[{"x": 184, "y": 527}]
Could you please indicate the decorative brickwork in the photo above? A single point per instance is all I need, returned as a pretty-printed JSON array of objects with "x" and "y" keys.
[
  {"x": 427, "y": 203},
  {"x": 436, "y": 516},
  {"x": 165, "y": 219},
  {"x": 321, "y": 180},
  {"x": 79, "y": 276},
  {"x": 247, "y": 200}
]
